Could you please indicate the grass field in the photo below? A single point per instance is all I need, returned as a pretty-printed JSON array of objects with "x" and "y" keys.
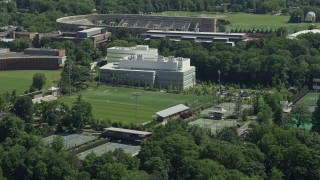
[
  {"x": 310, "y": 99},
  {"x": 247, "y": 21},
  {"x": 117, "y": 103},
  {"x": 22, "y": 79}
]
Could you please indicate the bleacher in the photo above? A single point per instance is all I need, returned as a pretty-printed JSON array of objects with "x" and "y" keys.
[
  {"x": 128, "y": 23},
  {"x": 181, "y": 25},
  {"x": 143, "y": 23},
  {"x": 166, "y": 24},
  {"x": 155, "y": 24},
  {"x": 45, "y": 98}
]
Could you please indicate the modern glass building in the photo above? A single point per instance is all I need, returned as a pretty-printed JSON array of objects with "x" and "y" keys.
[{"x": 160, "y": 72}]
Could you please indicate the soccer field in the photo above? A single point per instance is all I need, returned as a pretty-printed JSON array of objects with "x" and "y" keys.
[
  {"x": 246, "y": 20},
  {"x": 118, "y": 104},
  {"x": 22, "y": 79}
]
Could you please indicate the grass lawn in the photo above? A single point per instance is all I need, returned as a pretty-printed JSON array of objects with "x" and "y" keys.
[
  {"x": 247, "y": 21},
  {"x": 22, "y": 79},
  {"x": 117, "y": 103}
]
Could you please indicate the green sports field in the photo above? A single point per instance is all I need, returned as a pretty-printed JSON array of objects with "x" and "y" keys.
[
  {"x": 310, "y": 99},
  {"x": 22, "y": 79},
  {"x": 247, "y": 21},
  {"x": 118, "y": 104}
]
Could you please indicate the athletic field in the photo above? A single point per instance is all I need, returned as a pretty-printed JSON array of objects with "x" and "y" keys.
[
  {"x": 99, "y": 150},
  {"x": 214, "y": 125},
  {"x": 246, "y": 20},
  {"x": 22, "y": 79},
  {"x": 118, "y": 104}
]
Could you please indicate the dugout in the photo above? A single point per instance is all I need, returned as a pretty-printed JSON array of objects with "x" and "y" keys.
[
  {"x": 172, "y": 112},
  {"x": 125, "y": 134}
]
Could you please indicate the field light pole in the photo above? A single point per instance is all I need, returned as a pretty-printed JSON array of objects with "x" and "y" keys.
[{"x": 136, "y": 94}]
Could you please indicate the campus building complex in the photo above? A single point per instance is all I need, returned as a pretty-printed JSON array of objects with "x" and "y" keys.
[
  {"x": 204, "y": 37},
  {"x": 32, "y": 59},
  {"x": 117, "y": 53},
  {"x": 96, "y": 35},
  {"x": 161, "y": 72}
]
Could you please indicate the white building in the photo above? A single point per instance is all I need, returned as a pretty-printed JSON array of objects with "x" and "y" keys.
[
  {"x": 137, "y": 70},
  {"x": 310, "y": 17},
  {"x": 116, "y": 53}
]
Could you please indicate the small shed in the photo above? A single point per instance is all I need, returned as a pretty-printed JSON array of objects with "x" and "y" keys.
[
  {"x": 54, "y": 90},
  {"x": 172, "y": 112},
  {"x": 217, "y": 113},
  {"x": 310, "y": 17}
]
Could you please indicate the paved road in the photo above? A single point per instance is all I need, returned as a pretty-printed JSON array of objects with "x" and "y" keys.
[{"x": 93, "y": 65}]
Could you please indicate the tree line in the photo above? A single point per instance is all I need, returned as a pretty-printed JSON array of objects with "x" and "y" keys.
[
  {"x": 175, "y": 151},
  {"x": 252, "y": 6}
]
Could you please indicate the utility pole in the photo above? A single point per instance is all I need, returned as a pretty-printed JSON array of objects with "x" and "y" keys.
[
  {"x": 219, "y": 82},
  {"x": 69, "y": 67},
  {"x": 136, "y": 94}
]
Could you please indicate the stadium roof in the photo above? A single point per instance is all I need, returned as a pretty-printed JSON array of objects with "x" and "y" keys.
[
  {"x": 172, "y": 110},
  {"x": 127, "y": 131}
]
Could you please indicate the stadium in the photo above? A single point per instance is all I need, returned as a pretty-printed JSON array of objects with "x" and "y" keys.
[{"x": 137, "y": 23}]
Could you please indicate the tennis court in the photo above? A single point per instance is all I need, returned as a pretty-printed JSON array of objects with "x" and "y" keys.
[
  {"x": 214, "y": 125},
  {"x": 309, "y": 99},
  {"x": 110, "y": 146},
  {"x": 72, "y": 140}
]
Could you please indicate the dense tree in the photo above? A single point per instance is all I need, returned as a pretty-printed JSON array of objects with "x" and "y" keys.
[
  {"x": 316, "y": 118},
  {"x": 81, "y": 113},
  {"x": 299, "y": 115},
  {"x": 10, "y": 127},
  {"x": 5, "y": 102},
  {"x": 23, "y": 108},
  {"x": 38, "y": 81}
]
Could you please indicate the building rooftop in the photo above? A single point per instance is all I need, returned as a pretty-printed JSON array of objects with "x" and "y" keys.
[
  {"x": 6, "y": 40},
  {"x": 138, "y": 47},
  {"x": 41, "y": 49},
  {"x": 196, "y": 33},
  {"x": 219, "y": 110},
  {"x": 127, "y": 131},
  {"x": 20, "y": 55},
  {"x": 172, "y": 110},
  {"x": 90, "y": 30}
]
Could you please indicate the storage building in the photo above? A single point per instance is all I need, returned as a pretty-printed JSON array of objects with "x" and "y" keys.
[{"x": 172, "y": 112}]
